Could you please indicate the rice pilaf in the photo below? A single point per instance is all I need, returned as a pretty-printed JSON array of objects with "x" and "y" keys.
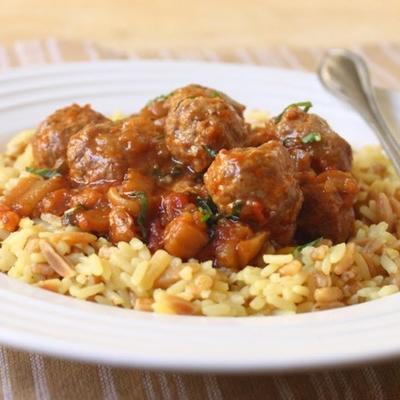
[{"x": 313, "y": 277}]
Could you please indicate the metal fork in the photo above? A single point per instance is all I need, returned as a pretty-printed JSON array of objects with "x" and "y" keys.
[{"x": 345, "y": 74}]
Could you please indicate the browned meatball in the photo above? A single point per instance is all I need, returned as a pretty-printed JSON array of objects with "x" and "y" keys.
[
  {"x": 197, "y": 128},
  {"x": 262, "y": 179},
  {"x": 193, "y": 91},
  {"x": 49, "y": 145},
  {"x": 143, "y": 144},
  {"x": 328, "y": 207},
  {"x": 94, "y": 154},
  {"x": 300, "y": 130},
  {"x": 158, "y": 108}
]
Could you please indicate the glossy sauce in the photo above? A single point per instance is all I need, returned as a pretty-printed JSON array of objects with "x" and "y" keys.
[{"x": 188, "y": 174}]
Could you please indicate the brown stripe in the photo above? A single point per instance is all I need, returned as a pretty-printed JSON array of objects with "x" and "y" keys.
[
  {"x": 389, "y": 376},
  {"x": 6, "y": 389},
  {"x": 359, "y": 383},
  {"x": 301, "y": 384},
  {"x": 21, "y": 375},
  {"x": 248, "y": 387},
  {"x": 129, "y": 384},
  {"x": 193, "y": 386},
  {"x": 68, "y": 380},
  {"x": 167, "y": 386}
]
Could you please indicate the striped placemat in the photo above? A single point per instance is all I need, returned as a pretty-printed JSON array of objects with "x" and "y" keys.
[
  {"x": 383, "y": 60},
  {"x": 32, "y": 376}
]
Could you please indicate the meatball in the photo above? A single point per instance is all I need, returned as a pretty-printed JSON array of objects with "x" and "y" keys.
[
  {"x": 94, "y": 154},
  {"x": 262, "y": 180},
  {"x": 300, "y": 130},
  {"x": 143, "y": 144},
  {"x": 158, "y": 108},
  {"x": 49, "y": 145},
  {"x": 197, "y": 128},
  {"x": 193, "y": 91},
  {"x": 328, "y": 207}
]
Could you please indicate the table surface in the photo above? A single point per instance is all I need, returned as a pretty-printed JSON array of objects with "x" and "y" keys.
[{"x": 179, "y": 24}]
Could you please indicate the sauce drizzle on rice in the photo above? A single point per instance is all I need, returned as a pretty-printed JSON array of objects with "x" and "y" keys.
[{"x": 325, "y": 234}]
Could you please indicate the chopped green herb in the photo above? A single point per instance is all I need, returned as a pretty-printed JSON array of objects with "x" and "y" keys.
[
  {"x": 210, "y": 213},
  {"x": 236, "y": 209},
  {"x": 311, "y": 137},
  {"x": 68, "y": 215},
  {"x": 211, "y": 152},
  {"x": 206, "y": 216},
  {"x": 215, "y": 94},
  {"x": 208, "y": 209},
  {"x": 144, "y": 205},
  {"x": 296, "y": 252},
  {"x": 305, "y": 105},
  {"x": 43, "y": 172}
]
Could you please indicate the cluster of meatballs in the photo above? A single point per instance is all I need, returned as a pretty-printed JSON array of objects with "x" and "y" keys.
[{"x": 291, "y": 177}]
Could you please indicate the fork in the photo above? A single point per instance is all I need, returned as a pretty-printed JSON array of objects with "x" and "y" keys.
[{"x": 345, "y": 74}]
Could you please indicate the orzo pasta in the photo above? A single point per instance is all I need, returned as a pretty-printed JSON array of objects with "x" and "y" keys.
[{"x": 145, "y": 213}]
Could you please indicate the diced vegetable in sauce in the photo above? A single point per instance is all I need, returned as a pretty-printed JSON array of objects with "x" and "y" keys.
[{"x": 188, "y": 174}]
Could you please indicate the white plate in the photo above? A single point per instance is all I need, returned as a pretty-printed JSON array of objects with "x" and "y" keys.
[{"x": 35, "y": 320}]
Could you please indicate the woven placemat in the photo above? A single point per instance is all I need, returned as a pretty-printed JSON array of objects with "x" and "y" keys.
[{"x": 32, "y": 376}]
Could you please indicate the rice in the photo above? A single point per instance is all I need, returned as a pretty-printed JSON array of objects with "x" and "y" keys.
[{"x": 127, "y": 275}]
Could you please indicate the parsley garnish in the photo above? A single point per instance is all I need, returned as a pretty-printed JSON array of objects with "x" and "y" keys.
[
  {"x": 296, "y": 252},
  {"x": 210, "y": 213},
  {"x": 211, "y": 152},
  {"x": 305, "y": 105},
  {"x": 144, "y": 205},
  {"x": 215, "y": 94},
  {"x": 209, "y": 210},
  {"x": 311, "y": 137},
  {"x": 43, "y": 172}
]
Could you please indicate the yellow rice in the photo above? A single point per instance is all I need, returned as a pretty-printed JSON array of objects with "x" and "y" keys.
[{"x": 127, "y": 275}]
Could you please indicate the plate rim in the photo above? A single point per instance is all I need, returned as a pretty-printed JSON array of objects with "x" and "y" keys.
[{"x": 19, "y": 72}]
